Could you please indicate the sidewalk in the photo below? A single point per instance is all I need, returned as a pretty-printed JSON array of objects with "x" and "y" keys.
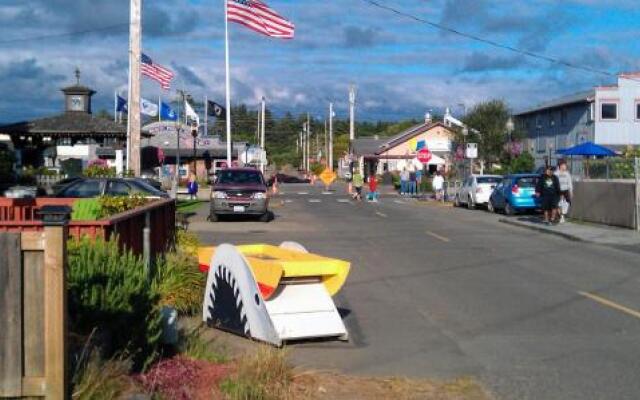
[{"x": 580, "y": 232}]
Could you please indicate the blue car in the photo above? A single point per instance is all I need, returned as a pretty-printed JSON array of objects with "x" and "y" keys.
[{"x": 515, "y": 193}]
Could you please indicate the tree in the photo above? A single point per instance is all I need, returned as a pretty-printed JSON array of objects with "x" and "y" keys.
[
  {"x": 487, "y": 127},
  {"x": 521, "y": 164}
]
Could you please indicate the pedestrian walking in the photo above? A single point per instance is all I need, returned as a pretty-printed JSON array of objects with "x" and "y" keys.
[
  {"x": 548, "y": 191},
  {"x": 418, "y": 181},
  {"x": 566, "y": 189},
  {"x": 404, "y": 181},
  {"x": 373, "y": 188},
  {"x": 358, "y": 182},
  {"x": 438, "y": 186},
  {"x": 192, "y": 186}
]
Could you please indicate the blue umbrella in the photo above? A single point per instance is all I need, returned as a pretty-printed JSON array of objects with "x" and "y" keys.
[{"x": 588, "y": 149}]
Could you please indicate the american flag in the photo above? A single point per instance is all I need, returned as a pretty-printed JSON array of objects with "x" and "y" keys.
[
  {"x": 256, "y": 15},
  {"x": 156, "y": 71}
]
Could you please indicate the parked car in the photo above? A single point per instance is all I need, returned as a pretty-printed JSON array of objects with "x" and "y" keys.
[
  {"x": 283, "y": 178},
  {"x": 239, "y": 191},
  {"x": 92, "y": 187},
  {"x": 61, "y": 184},
  {"x": 515, "y": 193},
  {"x": 476, "y": 190}
]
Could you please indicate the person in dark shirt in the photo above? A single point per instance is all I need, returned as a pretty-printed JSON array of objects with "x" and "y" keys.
[{"x": 548, "y": 191}]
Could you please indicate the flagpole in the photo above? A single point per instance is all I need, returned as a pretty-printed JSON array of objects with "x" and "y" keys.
[
  {"x": 115, "y": 106},
  {"x": 262, "y": 141},
  {"x": 206, "y": 115},
  {"x": 160, "y": 107},
  {"x": 227, "y": 81}
]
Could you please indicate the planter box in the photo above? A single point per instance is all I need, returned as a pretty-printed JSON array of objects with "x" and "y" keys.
[{"x": 20, "y": 215}]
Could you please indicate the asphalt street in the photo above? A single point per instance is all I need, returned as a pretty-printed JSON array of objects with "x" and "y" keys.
[{"x": 443, "y": 292}]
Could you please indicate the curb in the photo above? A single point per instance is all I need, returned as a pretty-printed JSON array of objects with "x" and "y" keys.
[{"x": 543, "y": 230}]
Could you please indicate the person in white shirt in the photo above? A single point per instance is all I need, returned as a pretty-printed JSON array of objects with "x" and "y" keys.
[
  {"x": 566, "y": 188},
  {"x": 438, "y": 186}
]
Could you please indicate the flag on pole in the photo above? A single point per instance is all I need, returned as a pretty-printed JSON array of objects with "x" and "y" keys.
[
  {"x": 149, "y": 108},
  {"x": 189, "y": 111},
  {"x": 167, "y": 113},
  {"x": 216, "y": 110},
  {"x": 156, "y": 71},
  {"x": 257, "y": 16},
  {"x": 121, "y": 104}
]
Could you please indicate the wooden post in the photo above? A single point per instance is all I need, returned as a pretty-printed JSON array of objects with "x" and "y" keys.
[
  {"x": 55, "y": 219},
  {"x": 11, "y": 307},
  {"x": 133, "y": 118}
]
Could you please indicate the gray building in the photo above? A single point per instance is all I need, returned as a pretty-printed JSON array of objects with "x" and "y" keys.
[{"x": 557, "y": 124}]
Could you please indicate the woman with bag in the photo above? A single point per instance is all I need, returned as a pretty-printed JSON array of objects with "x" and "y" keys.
[{"x": 566, "y": 189}]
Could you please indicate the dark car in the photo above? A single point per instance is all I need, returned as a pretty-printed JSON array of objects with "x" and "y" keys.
[
  {"x": 515, "y": 193},
  {"x": 239, "y": 191},
  {"x": 92, "y": 187},
  {"x": 58, "y": 186},
  {"x": 283, "y": 178}
]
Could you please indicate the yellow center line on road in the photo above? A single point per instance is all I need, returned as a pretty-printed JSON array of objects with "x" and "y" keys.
[
  {"x": 439, "y": 237},
  {"x": 378, "y": 213},
  {"x": 609, "y": 303}
]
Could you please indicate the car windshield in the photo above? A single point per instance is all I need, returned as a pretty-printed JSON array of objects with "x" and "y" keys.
[
  {"x": 528, "y": 182},
  {"x": 489, "y": 179},
  {"x": 239, "y": 177}
]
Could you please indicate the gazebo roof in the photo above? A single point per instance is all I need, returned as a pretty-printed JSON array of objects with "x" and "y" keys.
[{"x": 66, "y": 123}]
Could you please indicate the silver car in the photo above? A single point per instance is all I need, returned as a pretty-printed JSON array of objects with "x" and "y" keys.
[{"x": 476, "y": 190}]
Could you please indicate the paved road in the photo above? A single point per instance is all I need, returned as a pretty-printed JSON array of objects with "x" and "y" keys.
[{"x": 443, "y": 292}]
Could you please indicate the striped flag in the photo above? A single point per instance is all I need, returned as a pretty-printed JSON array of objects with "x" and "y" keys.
[
  {"x": 256, "y": 15},
  {"x": 156, "y": 71}
]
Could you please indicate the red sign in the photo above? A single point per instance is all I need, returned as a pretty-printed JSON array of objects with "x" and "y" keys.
[{"x": 424, "y": 156}]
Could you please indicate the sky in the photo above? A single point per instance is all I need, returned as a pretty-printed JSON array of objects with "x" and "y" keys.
[{"x": 401, "y": 68}]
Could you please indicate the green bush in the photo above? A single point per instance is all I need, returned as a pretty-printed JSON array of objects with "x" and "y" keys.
[
  {"x": 317, "y": 168},
  {"x": 86, "y": 210},
  {"x": 520, "y": 164},
  {"x": 111, "y": 205},
  {"x": 110, "y": 290},
  {"x": 425, "y": 186},
  {"x": 99, "y": 171},
  {"x": 179, "y": 283}
]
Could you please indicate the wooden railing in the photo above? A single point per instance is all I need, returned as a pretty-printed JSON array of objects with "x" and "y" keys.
[
  {"x": 33, "y": 360},
  {"x": 147, "y": 230}
]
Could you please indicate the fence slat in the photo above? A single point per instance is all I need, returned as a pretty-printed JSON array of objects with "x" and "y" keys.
[
  {"x": 11, "y": 311},
  {"x": 55, "y": 310},
  {"x": 33, "y": 319}
]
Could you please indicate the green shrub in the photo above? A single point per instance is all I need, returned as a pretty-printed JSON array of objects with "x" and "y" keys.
[
  {"x": 179, "y": 283},
  {"x": 99, "y": 171},
  {"x": 109, "y": 290},
  {"x": 191, "y": 345},
  {"x": 425, "y": 186},
  {"x": 86, "y": 210},
  {"x": 111, "y": 205},
  {"x": 187, "y": 241},
  {"x": 317, "y": 168}
]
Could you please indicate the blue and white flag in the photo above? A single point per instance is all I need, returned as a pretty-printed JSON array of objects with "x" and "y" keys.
[
  {"x": 121, "y": 105},
  {"x": 167, "y": 113},
  {"x": 148, "y": 108}
]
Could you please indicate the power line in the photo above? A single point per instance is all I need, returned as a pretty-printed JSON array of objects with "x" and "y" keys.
[
  {"x": 64, "y": 34},
  {"x": 488, "y": 41}
]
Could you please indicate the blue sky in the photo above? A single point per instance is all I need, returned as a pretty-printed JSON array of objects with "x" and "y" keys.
[{"x": 401, "y": 68}]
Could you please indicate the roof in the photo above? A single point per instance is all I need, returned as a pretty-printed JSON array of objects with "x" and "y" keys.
[
  {"x": 581, "y": 97},
  {"x": 71, "y": 122},
  {"x": 373, "y": 146}
]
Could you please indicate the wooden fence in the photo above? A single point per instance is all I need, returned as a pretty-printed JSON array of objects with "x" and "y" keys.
[{"x": 33, "y": 358}]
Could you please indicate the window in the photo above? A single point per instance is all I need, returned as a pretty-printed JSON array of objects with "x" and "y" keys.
[
  {"x": 637, "y": 110},
  {"x": 552, "y": 120},
  {"x": 592, "y": 112},
  {"x": 83, "y": 189},
  {"x": 239, "y": 177},
  {"x": 118, "y": 188},
  {"x": 489, "y": 179},
  {"x": 540, "y": 144},
  {"x": 608, "y": 111},
  {"x": 538, "y": 123},
  {"x": 563, "y": 117}
]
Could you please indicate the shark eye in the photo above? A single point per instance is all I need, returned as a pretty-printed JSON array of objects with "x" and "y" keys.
[{"x": 257, "y": 299}]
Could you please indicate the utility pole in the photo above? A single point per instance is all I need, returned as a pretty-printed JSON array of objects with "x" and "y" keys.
[
  {"x": 303, "y": 135},
  {"x": 262, "y": 141},
  {"x": 331, "y": 136},
  {"x": 352, "y": 112},
  {"x": 133, "y": 119},
  {"x": 308, "y": 143},
  {"x": 326, "y": 145}
]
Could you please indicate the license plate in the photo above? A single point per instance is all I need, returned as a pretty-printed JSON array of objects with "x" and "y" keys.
[{"x": 238, "y": 208}]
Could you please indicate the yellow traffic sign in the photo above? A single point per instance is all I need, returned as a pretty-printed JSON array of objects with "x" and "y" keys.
[{"x": 327, "y": 177}]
